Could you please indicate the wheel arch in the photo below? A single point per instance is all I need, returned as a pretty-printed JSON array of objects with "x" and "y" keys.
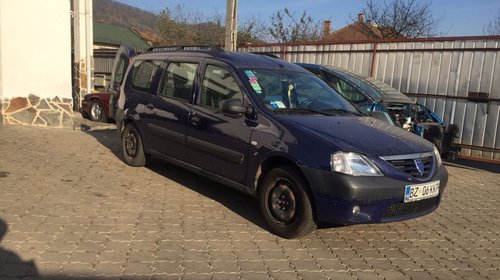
[
  {"x": 276, "y": 161},
  {"x": 128, "y": 119},
  {"x": 145, "y": 156}
]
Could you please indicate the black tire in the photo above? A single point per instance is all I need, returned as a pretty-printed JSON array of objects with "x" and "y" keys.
[
  {"x": 132, "y": 147},
  {"x": 97, "y": 113},
  {"x": 285, "y": 204}
]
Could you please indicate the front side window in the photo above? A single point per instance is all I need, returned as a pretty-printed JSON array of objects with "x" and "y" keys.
[
  {"x": 178, "y": 80},
  {"x": 143, "y": 74},
  {"x": 218, "y": 85}
]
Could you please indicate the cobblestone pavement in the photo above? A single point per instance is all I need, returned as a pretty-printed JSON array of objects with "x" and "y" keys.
[{"x": 72, "y": 209}]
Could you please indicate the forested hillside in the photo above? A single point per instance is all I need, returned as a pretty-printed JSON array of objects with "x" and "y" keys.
[{"x": 112, "y": 12}]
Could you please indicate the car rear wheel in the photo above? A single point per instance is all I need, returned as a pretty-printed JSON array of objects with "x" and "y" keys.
[
  {"x": 97, "y": 112},
  {"x": 285, "y": 204},
  {"x": 132, "y": 148}
]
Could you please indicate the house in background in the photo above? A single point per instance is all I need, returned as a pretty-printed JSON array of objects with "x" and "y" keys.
[
  {"x": 107, "y": 40},
  {"x": 359, "y": 30},
  {"x": 111, "y": 36}
]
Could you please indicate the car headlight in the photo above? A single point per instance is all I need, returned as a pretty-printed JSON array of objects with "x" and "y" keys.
[
  {"x": 437, "y": 155},
  {"x": 353, "y": 164}
]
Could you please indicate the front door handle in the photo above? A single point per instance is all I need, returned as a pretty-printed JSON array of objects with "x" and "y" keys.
[{"x": 195, "y": 120}]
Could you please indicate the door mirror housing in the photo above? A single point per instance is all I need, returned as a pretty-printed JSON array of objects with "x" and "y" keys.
[{"x": 235, "y": 106}]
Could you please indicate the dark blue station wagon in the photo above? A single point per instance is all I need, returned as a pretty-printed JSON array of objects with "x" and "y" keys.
[{"x": 277, "y": 132}]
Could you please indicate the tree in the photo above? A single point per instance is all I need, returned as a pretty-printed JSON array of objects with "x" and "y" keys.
[
  {"x": 179, "y": 26},
  {"x": 252, "y": 29},
  {"x": 287, "y": 27},
  {"x": 400, "y": 19},
  {"x": 493, "y": 27}
]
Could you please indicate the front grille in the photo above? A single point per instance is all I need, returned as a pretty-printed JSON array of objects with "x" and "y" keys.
[
  {"x": 399, "y": 209},
  {"x": 409, "y": 166}
]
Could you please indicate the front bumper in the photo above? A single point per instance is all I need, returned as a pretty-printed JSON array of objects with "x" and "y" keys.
[
  {"x": 380, "y": 199},
  {"x": 85, "y": 109}
]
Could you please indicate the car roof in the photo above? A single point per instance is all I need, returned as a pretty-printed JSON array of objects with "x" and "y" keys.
[
  {"x": 387, "y": 93},
  {"x": 236, "y": 59}
]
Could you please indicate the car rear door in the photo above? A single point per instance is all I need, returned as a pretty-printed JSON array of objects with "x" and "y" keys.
[
  {"x": 142, "y": 83},
  {"x": 120, "y": 65},
  {"x": 218, "y": 142},
  {"x": 171, "y": 106}
]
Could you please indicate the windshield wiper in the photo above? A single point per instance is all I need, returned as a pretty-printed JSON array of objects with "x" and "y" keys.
[
  {"x": 301, "y": 111},
  {"x": 334, "y": 111}
]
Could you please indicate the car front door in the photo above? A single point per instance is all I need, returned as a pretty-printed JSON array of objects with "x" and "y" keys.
[
  {"x": 171, "y": 108},
  {"x": 219, "y": 142}
]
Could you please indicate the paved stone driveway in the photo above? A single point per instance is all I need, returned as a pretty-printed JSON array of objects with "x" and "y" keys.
[{"x": 73, "y": 210}]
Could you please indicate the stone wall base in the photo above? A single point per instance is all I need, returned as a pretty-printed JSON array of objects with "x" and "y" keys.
[{"x": 36, "y": 111}]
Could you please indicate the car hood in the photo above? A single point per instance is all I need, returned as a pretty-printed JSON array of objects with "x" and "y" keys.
[{"x": 364, "y": 135}]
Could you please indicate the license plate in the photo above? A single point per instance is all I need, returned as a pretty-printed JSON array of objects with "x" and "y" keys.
[{"x": 421, "y": 191}]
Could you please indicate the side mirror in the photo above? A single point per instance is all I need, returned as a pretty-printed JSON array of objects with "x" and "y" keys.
[{"x": 235, "y": 106}]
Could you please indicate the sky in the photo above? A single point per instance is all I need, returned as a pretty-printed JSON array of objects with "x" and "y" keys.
[{"x": 458, "y": 17}]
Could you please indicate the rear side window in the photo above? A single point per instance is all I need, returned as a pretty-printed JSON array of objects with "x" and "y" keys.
[
  {"x": 143, "y": 73},
  {"x": 178, "y": 80},
  {"x": 218, "y": 85}
]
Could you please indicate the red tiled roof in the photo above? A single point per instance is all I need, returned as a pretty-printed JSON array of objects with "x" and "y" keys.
[{"x": 355, "y": 31}]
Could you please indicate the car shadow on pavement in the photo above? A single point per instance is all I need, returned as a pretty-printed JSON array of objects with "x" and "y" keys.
[
  {"x": 11, "y": 265},
  {"x": 240, "y": 203},
  {"x": 108, "y": 138}
]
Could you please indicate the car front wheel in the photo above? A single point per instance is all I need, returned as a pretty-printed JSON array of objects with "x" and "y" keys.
[
  {"x": 285, "y": 204},
  {"x": 132, "y": 148}
]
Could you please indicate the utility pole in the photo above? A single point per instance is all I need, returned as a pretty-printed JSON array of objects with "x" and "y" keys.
[{"x": 231, "y": 25}]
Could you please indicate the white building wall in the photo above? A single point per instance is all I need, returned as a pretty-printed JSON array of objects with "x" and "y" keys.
[{"x": 35, "y": 56}]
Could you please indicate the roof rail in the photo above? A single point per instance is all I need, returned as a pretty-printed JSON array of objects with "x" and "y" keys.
[
  {"x": 267, "y": 54},
  {"x": 183, "y": 48}
]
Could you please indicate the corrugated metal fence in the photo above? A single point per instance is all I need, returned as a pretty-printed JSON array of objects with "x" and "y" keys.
[
  {"x": 456, "y": 77},
  {"x": 103, "y": 61}
]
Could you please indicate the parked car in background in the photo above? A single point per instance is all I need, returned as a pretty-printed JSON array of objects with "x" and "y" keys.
[
  {"x": 101, "y": 107},
  {"x": 275, "y": 131},
  {"x": 95, "y": 106},
  {"x": 370, "y": 95}
]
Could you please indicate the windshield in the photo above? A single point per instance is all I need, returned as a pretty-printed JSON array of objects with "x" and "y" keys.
[
  {"x": 295, "y": 91},
  {"x": 391, "y": 94},
  {"x": 376, "y": 89},
  {"x": 372, "y": 92}
]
